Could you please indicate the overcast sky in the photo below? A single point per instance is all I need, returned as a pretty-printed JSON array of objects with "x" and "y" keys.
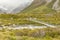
[{"x": 13, "y": 2}]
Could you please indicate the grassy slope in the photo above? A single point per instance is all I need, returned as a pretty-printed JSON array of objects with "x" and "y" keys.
[{"x": 28, "y": 34}]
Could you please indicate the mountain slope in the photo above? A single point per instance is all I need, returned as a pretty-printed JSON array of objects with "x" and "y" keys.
[{"x": 53, "y": 4}]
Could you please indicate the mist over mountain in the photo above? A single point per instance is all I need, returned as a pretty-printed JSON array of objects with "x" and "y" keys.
[
  {"x": 15, "y": 6},
  {"x": 8, "y": 6}
]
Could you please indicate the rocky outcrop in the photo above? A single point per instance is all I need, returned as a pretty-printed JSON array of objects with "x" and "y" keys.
[{"x": 55, "y": 4}]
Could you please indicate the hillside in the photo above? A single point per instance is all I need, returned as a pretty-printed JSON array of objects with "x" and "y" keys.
[{"x": 39, "y": 9}]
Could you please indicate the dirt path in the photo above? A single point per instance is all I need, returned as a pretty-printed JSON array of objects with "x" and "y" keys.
[{"x": 34, "y": 20}]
